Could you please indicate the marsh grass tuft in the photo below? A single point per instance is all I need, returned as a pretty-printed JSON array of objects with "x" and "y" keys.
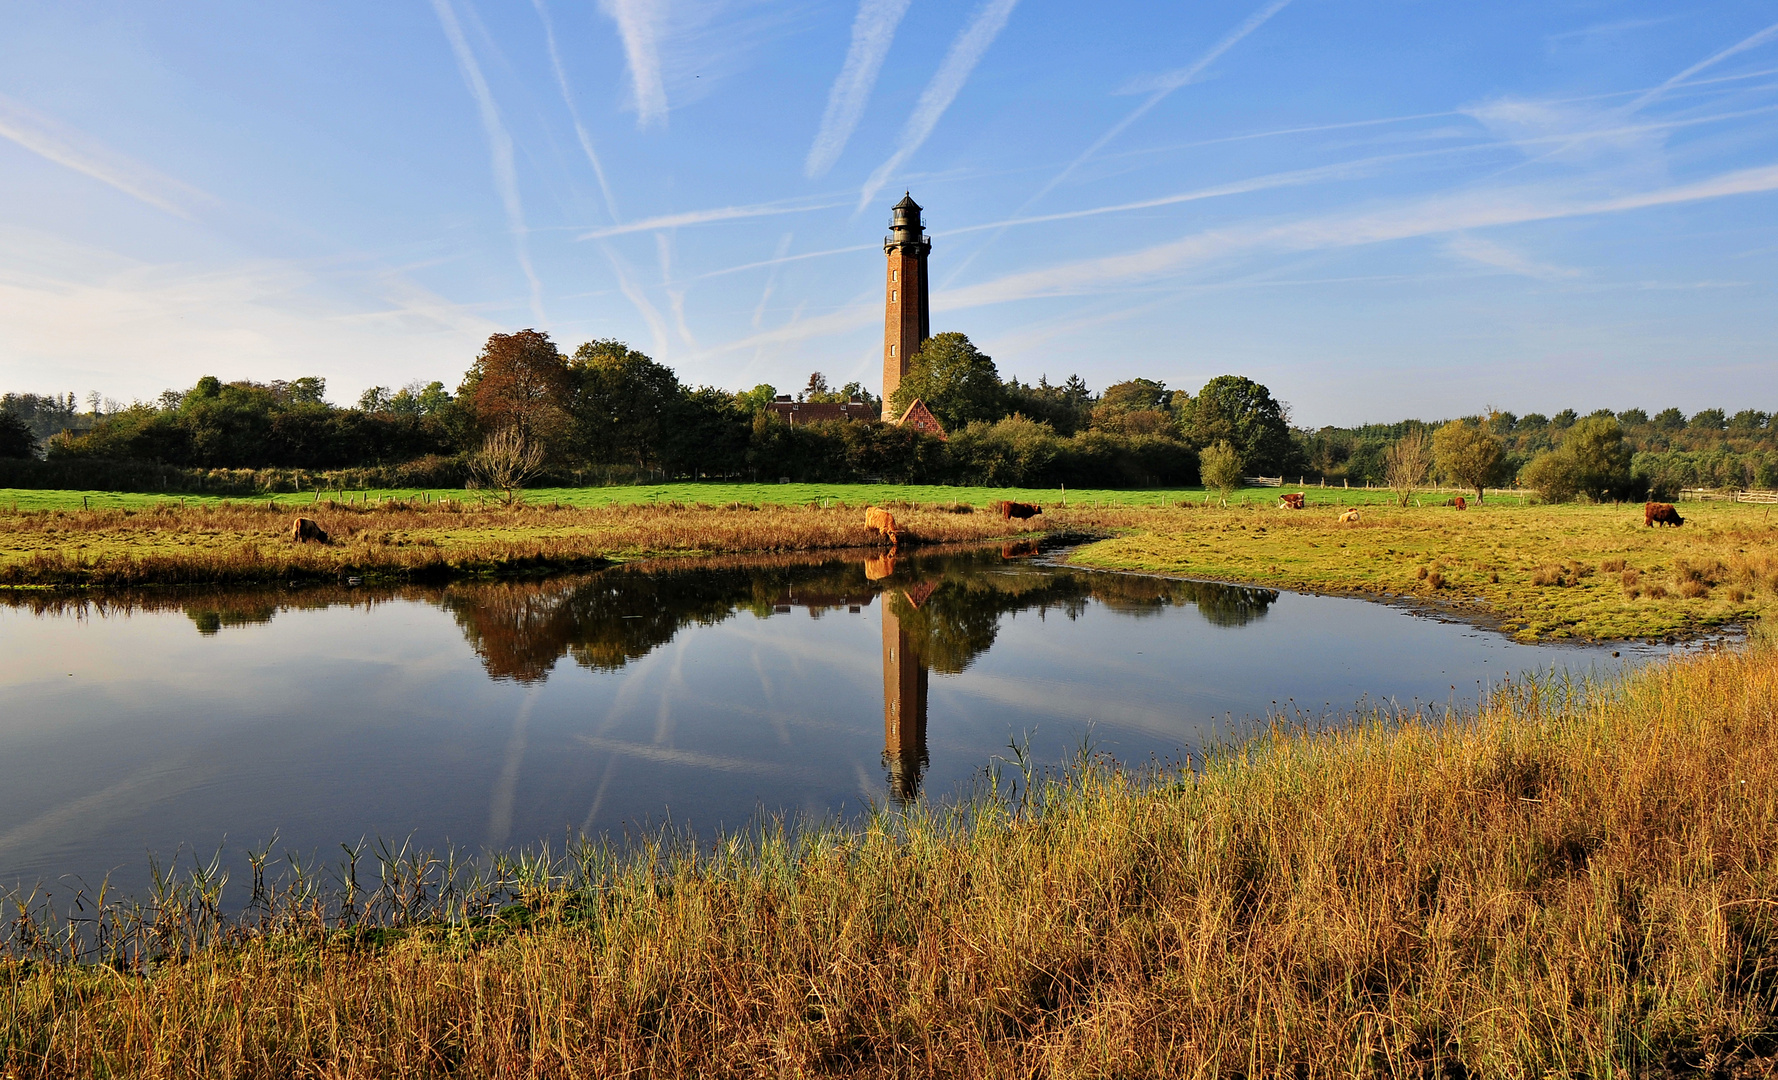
[{"x": 1575, "y": 879}]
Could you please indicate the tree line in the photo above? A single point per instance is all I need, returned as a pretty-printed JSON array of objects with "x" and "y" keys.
[{"x": 527, "y": 411}]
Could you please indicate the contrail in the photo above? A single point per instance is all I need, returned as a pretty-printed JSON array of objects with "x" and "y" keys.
[
  {"x": 1168, "y": 83},
  {"x": 638, "y": 24},
  {"x": 1740, "y": 46},
  {"x": 703, "y": 217},
  {"x": 965, "y": 53},
  {"x": 586, "y": 142},
  {"x": 56, "y": 142},
  {"x": 872, "y": 32},
  {"x": 499, "y": 147}
]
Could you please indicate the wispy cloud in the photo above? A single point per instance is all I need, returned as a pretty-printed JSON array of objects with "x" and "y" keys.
[
  {"x": 1597, "y": 31},
  {"x": 639, "y": 23},
  {"x": 626, "y": 283},
  {"x": 705, "y": 217},
  {"x": 506, "y": 179},
  {"x": 846, "y": 319},
  {"x": 663, "y": 246},
  {"x": 1159, "y": 89},
  {"x": 1162, "y": 88},
  {"x": 1295, "y": 178},
  {"x": 1482, "y": 250},
  {"x": 1429, "y": 217},
  {"x": 1589, "y": 129},
  {"x": 775, "y": 260},
  {"x": 759, "y": 312},
  {"x": 965, "y": 53},
  {"x": 55, "y": 141},
  {"x": 872, "y": 32},
  {"x": 580, "y": 132},
  {"x": 73, "y": 312}
]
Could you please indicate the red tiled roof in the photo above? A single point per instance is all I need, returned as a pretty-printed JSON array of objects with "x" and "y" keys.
[{"x": 920, "y": 418}]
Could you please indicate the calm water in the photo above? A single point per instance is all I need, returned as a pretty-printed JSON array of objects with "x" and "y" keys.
[{"x": 497, "y": 715}]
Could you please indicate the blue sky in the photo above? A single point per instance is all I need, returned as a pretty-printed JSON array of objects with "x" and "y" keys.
[{"x": 1378, "y": 209}]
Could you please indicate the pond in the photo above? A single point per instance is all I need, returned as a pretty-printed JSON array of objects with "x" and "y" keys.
[{"x": 697, "y": 695}]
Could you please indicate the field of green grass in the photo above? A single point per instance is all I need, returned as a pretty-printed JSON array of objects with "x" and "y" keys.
[{"x": 711, "y": 493}]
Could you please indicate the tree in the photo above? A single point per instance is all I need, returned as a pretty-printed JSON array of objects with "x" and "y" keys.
[
  {"x": 1601, "y": 457},
  {"x": 1669, "y": 420},
  {"x": 1066, "y": 408},
  {"x": 957, "y": 381},
  {"x": 1748, "y": 421},
  {"x": 16, "y": 439},
  {"x": 623, "y": 403},
  {"x": 1467, "y": 455},
  {"x": 1708, "y": 420},
  {"x": 521, "y": 381},
  {"x": 1406, "y": 463},
  {"x": 376, "y": 399},
  {"x": 1552, "y": 474},
  {"x": 507, "y": 460},
  {"x": 1242, "y": 412},
  {"x": 1220, "y": 465},
  {"x": 1136, "y": 407},
  {"x": 754, "y": 401}
]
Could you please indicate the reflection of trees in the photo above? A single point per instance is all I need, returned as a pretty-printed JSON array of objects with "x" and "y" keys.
[
  {"x": 520, "y": 629},
  {"x": 604, "y": 621},
  {"x": 210, "y": 621},
  {"x": 1222, "y": 605},
  {"x": 1227, "y": 605}
]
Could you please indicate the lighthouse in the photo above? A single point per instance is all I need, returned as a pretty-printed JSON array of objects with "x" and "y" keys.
[{"x": 908, "y": 318}]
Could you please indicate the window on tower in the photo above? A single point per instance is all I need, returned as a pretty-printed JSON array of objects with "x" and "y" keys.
[
  {"x": 894, "y": 275},
  {"x": 892, "y": 296}
]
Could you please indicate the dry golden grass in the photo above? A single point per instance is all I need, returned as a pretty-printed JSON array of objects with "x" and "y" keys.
[
  {"x": 1563, "y": 883},
  {"x": 246, "y": 543},
  {"x": 1538, "y": 571}
]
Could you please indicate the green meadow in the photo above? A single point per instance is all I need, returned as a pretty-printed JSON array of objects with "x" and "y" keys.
[{"x": 713, "y": 493}]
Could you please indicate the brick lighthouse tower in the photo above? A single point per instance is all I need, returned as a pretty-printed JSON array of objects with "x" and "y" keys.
[{"x": 908, "y": 321}]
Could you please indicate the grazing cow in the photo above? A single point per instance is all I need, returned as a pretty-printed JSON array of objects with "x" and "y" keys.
[
  {"x": 302, "y": 530},
  {"x": 1459, "y": 503},
  {"x": 884, "y": 522},
  {"x": 1350, "y": 516},
  {"x": 1661, "y": 514},
  {"x": 1292, "y": 501},
  {"x": 1010, "y": 510}
]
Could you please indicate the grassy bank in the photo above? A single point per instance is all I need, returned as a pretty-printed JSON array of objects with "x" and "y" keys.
[
  {"x": 245, "y": 543},
  {"x": 1538, "y": 571},
  {"x": 1559, "y": 884}
]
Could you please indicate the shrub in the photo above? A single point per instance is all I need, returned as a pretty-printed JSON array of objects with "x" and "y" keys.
[
  {"x": 1554, "y": 475},
  {"x": 1220, "y": 465}
]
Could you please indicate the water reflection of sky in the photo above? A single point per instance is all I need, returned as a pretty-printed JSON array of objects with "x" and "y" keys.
[{"x": 508, "y": 714}]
